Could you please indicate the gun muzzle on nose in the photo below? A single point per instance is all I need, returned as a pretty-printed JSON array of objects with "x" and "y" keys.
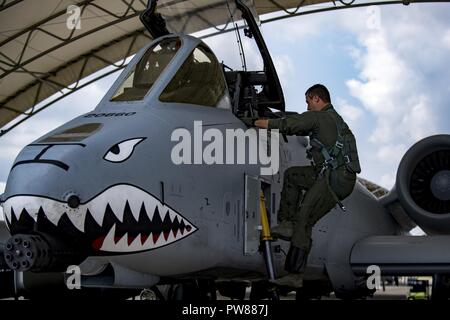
[{"x": 39, "y": 252}]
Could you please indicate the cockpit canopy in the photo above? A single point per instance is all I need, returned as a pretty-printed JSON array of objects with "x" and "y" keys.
[
  {"x": 147, "y": 70},
  {"x": 199, "y": 80}
]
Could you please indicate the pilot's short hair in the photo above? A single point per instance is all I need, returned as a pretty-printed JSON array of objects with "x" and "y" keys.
[{"x": 321, "y": 91}]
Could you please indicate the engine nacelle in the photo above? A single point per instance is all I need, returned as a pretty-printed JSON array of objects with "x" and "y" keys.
[{"x": 423, "y": 184}]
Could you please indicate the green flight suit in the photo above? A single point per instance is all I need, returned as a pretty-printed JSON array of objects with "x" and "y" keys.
[{"x": 319, "y": 198}]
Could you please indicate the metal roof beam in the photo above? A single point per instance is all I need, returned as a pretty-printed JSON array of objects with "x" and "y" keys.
[
  {"x": 19, "y": 64},
  {"x": 5, "y": 4},
  {"x": 77, "y": 84}
]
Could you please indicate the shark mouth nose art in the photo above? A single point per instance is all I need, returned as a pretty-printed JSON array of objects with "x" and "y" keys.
[{"x": 122, "y": 219}]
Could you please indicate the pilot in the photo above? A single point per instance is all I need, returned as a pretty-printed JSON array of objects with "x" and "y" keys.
[{"x": 310, "y": 192}]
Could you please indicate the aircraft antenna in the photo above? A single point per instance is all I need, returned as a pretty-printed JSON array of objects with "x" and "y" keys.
[{"x": 238, "y": 39}]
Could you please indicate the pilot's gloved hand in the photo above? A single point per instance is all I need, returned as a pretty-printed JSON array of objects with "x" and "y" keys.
[{"x": 249, "y": 121}]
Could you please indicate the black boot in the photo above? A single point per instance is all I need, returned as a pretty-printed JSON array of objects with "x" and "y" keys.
[
  {"x": 295, "y": 260},
  {"x": 295, "y": 265}
]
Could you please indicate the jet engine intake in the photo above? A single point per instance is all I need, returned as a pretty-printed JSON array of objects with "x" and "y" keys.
[{"x": 423, "y": 184}]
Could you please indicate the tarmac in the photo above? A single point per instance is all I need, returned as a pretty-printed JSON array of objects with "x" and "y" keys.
[{"x": 389, "y": 293}]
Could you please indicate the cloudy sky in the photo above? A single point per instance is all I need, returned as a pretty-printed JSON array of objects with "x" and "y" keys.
[{"x": 386, "y": 68}]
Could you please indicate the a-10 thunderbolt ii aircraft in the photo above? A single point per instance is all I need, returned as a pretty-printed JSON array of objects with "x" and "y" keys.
[{"x": 103, "y": 191}]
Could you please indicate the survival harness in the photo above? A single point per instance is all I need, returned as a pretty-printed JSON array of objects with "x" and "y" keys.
[
  {"x": 334, "y": 156},
  {"x": 331, "y": 155}
]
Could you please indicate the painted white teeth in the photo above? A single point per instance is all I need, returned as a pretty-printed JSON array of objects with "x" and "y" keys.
[
  {"x": 7, "y": 211},
  {"x": 117, "y": 206},
  {"x": 18, "y": 211},
  {"x": 77, "y": 218},
  {"x": 171, "y": 237},
  {"x": 116, "y": 197},
  {"x": 150, "y": 206},
  {"x": 135, "y": 207},
  {"x": 108, "y": 242},
  {"x": 97, "y": 210},
  {"x": 161, "y": 241},
  {"x": 123, "y": 242},
  {"x": 172, "y": 215},
  {"x": 149, "y": 242},
  {"x": 53, "y": 210},
  {"x": 136, "y": 245}
]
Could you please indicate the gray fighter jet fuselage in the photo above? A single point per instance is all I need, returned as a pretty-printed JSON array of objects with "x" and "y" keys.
[{"x": 103, "y": 190}]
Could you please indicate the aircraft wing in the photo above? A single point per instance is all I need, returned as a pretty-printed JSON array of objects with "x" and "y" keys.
[
  {"x": 402, "y": 255},
  {"x": 420, "y": 197}
]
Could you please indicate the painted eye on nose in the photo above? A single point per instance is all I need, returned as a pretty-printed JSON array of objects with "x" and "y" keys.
[{"x": 122, "y": 150}]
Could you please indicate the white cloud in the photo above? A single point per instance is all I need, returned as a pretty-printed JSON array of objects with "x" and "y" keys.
[
  {"x": 446, "y": 39},
  {"x": 420, "y": 121},
  {"x": 227, "y": 50},
  {"x": 355, "y": 54},
  {"x": 391, "y": 153},
  {"x": 285, "y": 67},
  {"x": 295, "y": 30},
  {"x": 399, "y": 62},
  {"x": 350, "y": 113},
  {"x": 382, "y": 84},
  {"x": 387, "y": 181}
]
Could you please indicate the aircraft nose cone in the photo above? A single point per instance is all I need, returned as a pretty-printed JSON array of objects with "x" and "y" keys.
[{"x": 440, "y": 185}]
